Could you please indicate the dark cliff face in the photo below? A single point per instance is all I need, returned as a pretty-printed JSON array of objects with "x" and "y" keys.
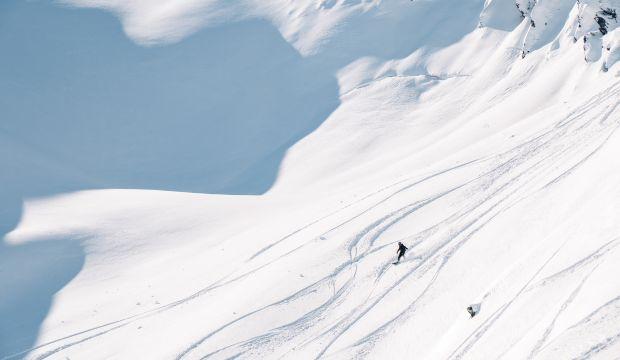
[{"x": 603, "y": 17}]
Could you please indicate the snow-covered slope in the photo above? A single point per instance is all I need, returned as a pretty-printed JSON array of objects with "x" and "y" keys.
[{"x": 229, "y": 179}]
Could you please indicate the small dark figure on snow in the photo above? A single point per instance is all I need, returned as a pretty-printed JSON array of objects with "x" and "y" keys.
[
  {"x": 471, "y": 311},
  {"x": 401, "y": 251}
]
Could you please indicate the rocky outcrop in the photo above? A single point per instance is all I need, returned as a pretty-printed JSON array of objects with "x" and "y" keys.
[{"x": 593, "y": 22}]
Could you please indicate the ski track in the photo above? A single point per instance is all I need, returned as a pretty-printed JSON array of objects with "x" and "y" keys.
[
  {"x": 565, "y": 305},
  {"x": 541, "y": 159}
]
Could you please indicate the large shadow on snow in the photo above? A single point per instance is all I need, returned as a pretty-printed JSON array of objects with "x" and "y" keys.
[
  {"x": 211, "y": 114},
  {"x": 30, "y": 275},
  {"x": 83, "y": 107}
]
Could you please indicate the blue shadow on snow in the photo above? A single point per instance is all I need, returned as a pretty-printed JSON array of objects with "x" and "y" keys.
[{"x": 83, "y": 107}]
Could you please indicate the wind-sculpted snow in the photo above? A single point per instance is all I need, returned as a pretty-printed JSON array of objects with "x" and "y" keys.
[{"x": 361, "y": 124}]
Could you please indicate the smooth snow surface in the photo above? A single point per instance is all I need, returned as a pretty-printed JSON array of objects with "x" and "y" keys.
[{"x": 205, "y": 179}]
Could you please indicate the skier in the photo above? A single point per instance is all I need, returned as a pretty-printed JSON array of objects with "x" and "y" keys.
[{"x": 401, "y": 251}]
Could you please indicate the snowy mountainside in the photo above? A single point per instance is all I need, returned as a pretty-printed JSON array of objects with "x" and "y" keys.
[{"x": 215, "y": 179}]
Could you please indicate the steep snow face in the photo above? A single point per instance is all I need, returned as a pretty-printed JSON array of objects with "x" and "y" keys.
[
  {"x": 611, "y": 49},
  {"x": 231, "y": 179}
]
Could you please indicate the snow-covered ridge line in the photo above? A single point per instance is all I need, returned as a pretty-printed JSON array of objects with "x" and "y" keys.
[
  {"x": 594, "y": 22},
  {"x": 304, "y": 23},
  {"x": 308, "y": 24}
]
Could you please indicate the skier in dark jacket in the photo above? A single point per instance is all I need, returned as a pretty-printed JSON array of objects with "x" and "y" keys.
[{"x": 401, "y": 251}]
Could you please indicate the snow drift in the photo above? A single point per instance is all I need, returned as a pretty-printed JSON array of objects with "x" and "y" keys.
[{"x": 216, "y": 179}]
